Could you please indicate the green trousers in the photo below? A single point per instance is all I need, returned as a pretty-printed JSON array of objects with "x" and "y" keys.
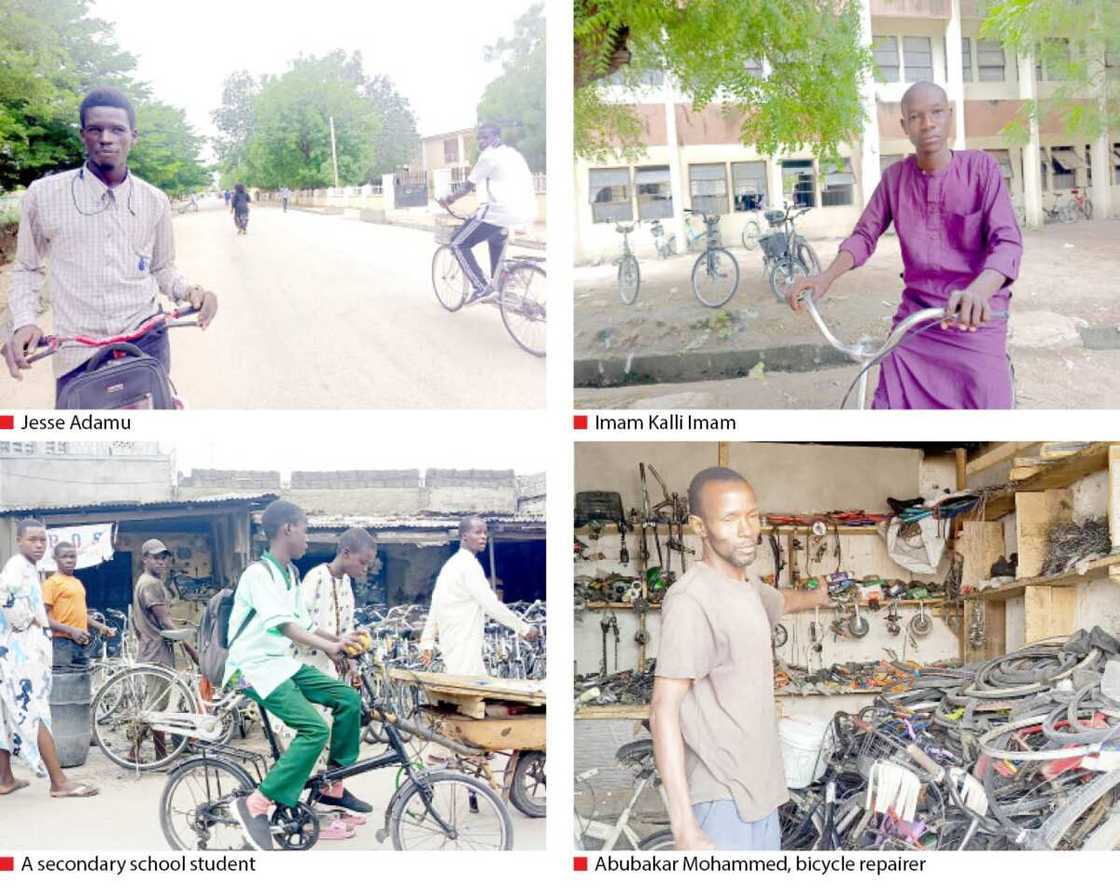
[{"x": 292, "y": 702}]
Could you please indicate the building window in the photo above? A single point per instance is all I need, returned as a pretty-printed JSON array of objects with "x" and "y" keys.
[
  {"x": 1003, "y": 157},
  {"x": 837, "y": 183},
  {"x": 966, "y": 59},
  {"x": 708, "y": 187},
  {"x": 748, "y": 181},
  {"x": 885, "y": 51},
  {"x": 799, "y": 184},
  {"x": 918, "y": 55},
  {"x": 1058, "y": 60},
  {"x": 1064, "y": 164},
  {"x": 450, "y": 151},
  {"x": 885, "y": 161},
  {"x": 991, "y": 63},
  {"x": 655, "y": 193},
  {"x": 610, "y": 195}
]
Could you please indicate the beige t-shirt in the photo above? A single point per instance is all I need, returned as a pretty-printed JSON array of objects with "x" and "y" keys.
[{"x": 716, "y": 632}]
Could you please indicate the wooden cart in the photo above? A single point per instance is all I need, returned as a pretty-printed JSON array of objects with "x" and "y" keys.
[{"x": 490, "y": 716}]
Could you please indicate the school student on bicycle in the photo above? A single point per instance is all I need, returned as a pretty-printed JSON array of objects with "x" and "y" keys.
[
  {"x": 269, "y": 615},
  {"x": 505, "y": 185},
  {"x": 101, "y": 240}
]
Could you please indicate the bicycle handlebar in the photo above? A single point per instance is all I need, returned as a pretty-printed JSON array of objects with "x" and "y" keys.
[{"x": 168, "y": 319}]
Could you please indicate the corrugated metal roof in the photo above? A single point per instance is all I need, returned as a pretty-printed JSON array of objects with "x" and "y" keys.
[
  {"x": 228, "y": 497},
  {"x": 428, "y": 523}
]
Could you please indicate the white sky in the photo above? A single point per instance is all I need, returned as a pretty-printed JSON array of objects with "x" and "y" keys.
[{"x": 432, "y": 49}]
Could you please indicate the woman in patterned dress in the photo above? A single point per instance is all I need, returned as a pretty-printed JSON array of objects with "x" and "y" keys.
[{"x": 25, "y": 670}]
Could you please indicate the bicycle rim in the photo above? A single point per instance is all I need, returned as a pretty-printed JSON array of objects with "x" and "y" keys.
[
  {"x": 783, "y": 274},
  {"x": 751, "y": 232},
  {"x": 125, "y": 739},
  {"x": 807, "y": 255},
  {"x": 629, "y": 279},
  {"x": 196, "y": 808},
  {"x": 529, "y": 790},
  {"x": 715, "y": 277},
  {"x": 477, "y": 819},
  {"x": 522, "y": 304},
  {"x": 448, "y": 281}
]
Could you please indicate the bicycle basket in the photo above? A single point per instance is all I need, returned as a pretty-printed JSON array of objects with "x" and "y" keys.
[
  {"x": 445, "y": 227},
  {"x": 773, "y": 244}
]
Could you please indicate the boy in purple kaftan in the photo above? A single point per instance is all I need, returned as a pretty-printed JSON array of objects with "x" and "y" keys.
[{"x": 961, "y": 248}]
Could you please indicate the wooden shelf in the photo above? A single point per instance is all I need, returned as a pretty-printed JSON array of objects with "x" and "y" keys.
[
  {"x": 641, "y": 712},
  {"x": 1098, "y": 568},
  {"x": 1059, "y": 474},
  {"x": 602, "y": 607},
  {"x": 612, "y": 528}
]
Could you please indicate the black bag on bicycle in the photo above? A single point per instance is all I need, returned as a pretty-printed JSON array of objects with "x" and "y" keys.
[{"x": 135, "y": 382}]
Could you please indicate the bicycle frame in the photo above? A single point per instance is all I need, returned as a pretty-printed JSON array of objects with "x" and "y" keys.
[{"x": 610, "y": 834}]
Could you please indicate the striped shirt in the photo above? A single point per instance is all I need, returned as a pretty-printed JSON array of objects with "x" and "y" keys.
[{"x": 111, "y": 253}]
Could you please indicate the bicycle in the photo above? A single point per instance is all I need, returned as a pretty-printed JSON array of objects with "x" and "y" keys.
[
  {"x": 691, "y": 234},
  {"x": 666, "y": 244},
  {"x": 430, "y": 809},
  {"x": 153, "y": 390},
  {"x": 185, "y": 205},
  {"x": 865, "y": 352},
  {"x": 519, "y": 288},
  {"x": 638, "y": 756},
  {"x": 144, "y": 699},
  {"x": 629, "y": 273},
  {"x": 716, "y": 269},
  {"x": 752, "y": 231},
  {"x": 786, "y": 255}
]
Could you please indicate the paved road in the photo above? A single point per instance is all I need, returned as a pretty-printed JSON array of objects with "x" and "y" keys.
[
  {"x": 126, "y": 813},
  {"x": 324, "y": 311}
]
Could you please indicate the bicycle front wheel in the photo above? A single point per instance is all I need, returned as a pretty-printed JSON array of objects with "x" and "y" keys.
[
  {"x": 528, "y": 790},
  {"x": 715, "y": 277},
  {"x": 447, "y": 279},
  {"x": 122, "y": 710},
  {"x": 808, "y": 256},
  {"x": 449, "y": 810},
  {"x": 629, "y": 279},
  {"x": 522, "y": 304},
  {"x": 196, "y": 808},
  {"x": 751, "y": 232},
  {"x": 782, "y": 275}
]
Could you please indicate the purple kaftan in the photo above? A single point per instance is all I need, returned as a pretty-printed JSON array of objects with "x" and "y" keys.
[{"x": 951, "y": 224}]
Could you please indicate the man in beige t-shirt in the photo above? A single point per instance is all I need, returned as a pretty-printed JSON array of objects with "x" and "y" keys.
[{"x": 715, "y": 729}]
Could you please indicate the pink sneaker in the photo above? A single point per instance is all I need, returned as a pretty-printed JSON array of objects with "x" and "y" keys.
[
  {"x": 352, "y": 820},
  {"x": 336, "y": 829}
]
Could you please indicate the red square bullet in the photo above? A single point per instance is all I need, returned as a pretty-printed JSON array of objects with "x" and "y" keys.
[
  {"x": 579, "y": 863},
  {"x": 10, "y": 863},
  {"x": 7, "y": 422},
  {"x": 580, "y": 422}
]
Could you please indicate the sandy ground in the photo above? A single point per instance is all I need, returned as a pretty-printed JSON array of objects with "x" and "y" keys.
[
  {"x": 126, "y": 813},
  {"x": 1070, "y": 279},
  {"x": 324, "y": 311}
]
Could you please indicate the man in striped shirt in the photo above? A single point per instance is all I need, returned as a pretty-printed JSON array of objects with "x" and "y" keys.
[{"x": 107, "y": 235}]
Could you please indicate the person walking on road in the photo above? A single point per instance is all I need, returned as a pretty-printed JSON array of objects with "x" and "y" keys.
[
  {"x": 25, "y": 671},
  {"x": 507, "y": 202},
  {"x": 961, "y": 249},
  {"x": 285, "y": 195},
  {"x": 239, "y": 204},
  {"x": 101, "y": 240},
  {"x": 713, "y": 716}
]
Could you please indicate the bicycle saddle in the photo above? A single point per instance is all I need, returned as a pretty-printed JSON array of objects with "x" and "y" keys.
[
  {"x": 177, "y": 635},
  {"x": 635, "y": 752}
]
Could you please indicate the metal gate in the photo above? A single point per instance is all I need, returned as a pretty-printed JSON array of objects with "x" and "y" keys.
[{"x": 411, "y": 189}]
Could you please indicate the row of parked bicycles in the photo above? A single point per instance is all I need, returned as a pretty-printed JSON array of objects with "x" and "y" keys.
[
  {"x": 147, "y": 717},
  {"x": 786, "y": 254}
]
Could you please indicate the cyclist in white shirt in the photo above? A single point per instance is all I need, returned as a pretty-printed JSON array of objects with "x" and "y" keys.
[{"x": 507, "y": 200}]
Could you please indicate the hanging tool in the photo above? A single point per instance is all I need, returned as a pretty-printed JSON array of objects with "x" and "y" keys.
[{"x": 623, "y": 552}]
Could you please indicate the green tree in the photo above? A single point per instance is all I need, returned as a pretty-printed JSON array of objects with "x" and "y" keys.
[
  {"x": 711, "y": 49},
  {"x": 1072, "y": 39},
  {"x": 516, "y": 99},
  {"x": 291, "y": 143},
  {"x": 234, "y": 120},
  {"x": 168, "y": 152},
  {"x": 399, "y": 141}
]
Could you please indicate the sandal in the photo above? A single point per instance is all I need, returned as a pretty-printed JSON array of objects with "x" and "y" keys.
[
  {"x": 336, "y": 829},
  {"x": 81, "y": 791}
]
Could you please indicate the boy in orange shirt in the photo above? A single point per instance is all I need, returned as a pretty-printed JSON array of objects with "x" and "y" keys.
[{"x": 65, "y": 598}]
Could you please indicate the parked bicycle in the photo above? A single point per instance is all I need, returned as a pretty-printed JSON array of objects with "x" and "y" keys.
[
  {"x": 715, "y": 275},
  {"x": 120, "y": 376},
  {"x": 786, "y": 255},
  {"x": 431, "y": 809},
  {"x": 519, "y": 287},
  {"x": 665, "y": 243},
  {"x": 629, "y": 273},
  {"x": 603, "y": 835},
  {"x": 752, "y": 230}
]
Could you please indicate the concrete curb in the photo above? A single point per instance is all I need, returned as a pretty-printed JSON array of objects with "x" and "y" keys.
[{"x": 614, "y": 371}]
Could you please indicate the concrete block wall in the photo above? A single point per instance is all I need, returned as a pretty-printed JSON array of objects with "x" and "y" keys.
[{"x": 471, "y": 491}]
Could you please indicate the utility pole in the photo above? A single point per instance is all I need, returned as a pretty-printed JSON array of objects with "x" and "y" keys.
[{"x": 334, "y": 154}]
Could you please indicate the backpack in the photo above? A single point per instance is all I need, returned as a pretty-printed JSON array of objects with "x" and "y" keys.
[
  {"x": 119, "y": 376},
  {"x": 214, "y": 639}
]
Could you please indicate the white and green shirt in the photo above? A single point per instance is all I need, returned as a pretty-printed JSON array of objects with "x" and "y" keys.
[{"x": 260, "y": 654}]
